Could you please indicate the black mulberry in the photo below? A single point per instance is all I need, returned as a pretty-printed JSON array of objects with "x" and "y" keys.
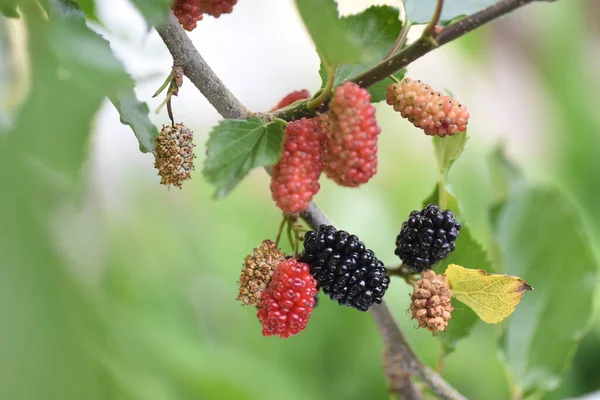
[
  {"x": 344, "y": 269},
  {"x": 427, "y": 237}
]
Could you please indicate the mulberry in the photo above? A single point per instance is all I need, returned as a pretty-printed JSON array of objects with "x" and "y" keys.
[
  {"x": 188, "y": 13},
  {"x": 427, "y": 237},
  {"x": 216, "y": 7},
  {"x": 351, "y": 130},
  {"x": 292, "y": 98},
  {"x": 428, "y": 109},
  {"x": 288, "y": 301},
  {"x": 257, "y": 272},
  {"x": 344, "y": 269},
  {"x": 174, "y": 154},
  {"x": 295, "y": 178},
  {"x": 431, "y": 301}
]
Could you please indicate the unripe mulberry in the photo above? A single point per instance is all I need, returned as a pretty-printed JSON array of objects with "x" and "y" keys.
[
  {"x": 428, "y": 109},
  {"x": 174, "y": 154},
  {"x": 187, "y": 12},
  {"x": 292, "y": 98},
  {"x": 216, "y": 7},
  {"x": 295, "y": 177},
  {"x": 431, "y": 301},
  {"x": 351, "y": 130},
  {"x": 257, "y": 272},
  {"x": 288, "y": 301},
  {"x": 344, "y": 268},
  {"x": 427, "y": 237}
]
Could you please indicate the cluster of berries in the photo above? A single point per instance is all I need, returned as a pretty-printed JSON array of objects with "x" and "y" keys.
[
  {"x": 189, "y": 12},
  {"x": 342, "y": 142},
  {"x": 284, "y": 289}
]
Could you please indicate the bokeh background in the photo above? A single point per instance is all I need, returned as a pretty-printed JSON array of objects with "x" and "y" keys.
[{"x": 131, "y": 294}]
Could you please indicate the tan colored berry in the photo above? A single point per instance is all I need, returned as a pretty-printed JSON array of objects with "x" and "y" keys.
[
  {"x": 174, "y": 154},
  {"x": 257, "y": 272},
  {"x": 430, "y": 301}
]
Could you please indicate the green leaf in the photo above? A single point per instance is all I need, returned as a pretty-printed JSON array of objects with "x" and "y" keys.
[
  {"x": 135, "y": 114},
  {"x": 374, "y": 30},
  {"x": 9, "y": 9},
  {"x": 329, "y": 33},
  {"x": 237, "y": 146},
  {"x": 448, "y": 149},
  {"x": 89, "y": 9},
  {"x": 469, "y": 254},
  {"x": 85, "y": 53},
  {"x": 421, "y": 11},
  {"x": 153, "y": 11},
  {"x": 542, "y": 239}
]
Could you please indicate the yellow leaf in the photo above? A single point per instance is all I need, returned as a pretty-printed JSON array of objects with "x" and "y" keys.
[{"x": 493, "y": 297}]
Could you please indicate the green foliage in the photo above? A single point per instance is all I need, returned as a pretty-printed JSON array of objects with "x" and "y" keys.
[
  {"x": 89, "y": 9},
  {"x": 374, "y": 30},
  {"x": 448, "y": 149},
  {"x": 542, "y": 240},
  {"x": 420, "y": 11},
  {"x": 135, "y": 114},
  {"x": 237, "y": 146},
  {"x": 8, "y": 8},
  {"x": 154, "y": 11},
  {"x": 329, "y": 32}
]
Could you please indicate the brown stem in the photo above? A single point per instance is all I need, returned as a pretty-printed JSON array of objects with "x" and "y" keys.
[{"x": 430, "y": 28}]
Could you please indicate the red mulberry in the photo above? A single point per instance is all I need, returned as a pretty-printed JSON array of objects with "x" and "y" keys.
[
  {"x": 291, "y": 98},
  {"x": 295, "y": 178},
  {"x": 351, "y": 130},
  {"x": 216, "y": 7},
  {"x": 428, "y": 109},
  {"x": 288, "y": 301},
  {"x": 188, "y": 13}
]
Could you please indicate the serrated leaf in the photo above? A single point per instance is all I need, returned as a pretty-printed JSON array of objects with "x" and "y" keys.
[
  {"x": 421, "y": 11},
  {"x": 135, "y": 114},
  {"x": 329, "y": 33},
  {"x": 81, "y": 50},
  {"x": 448, "y": 149},
  {"x": 237, "y": 146},
  {"x": 542, "y": 238},
  {"x": 493, "y": 297},
  {"x": 153, "y": 11},
  {"x": 374, "y": 30},
  {"x": 9, "y": 9}
]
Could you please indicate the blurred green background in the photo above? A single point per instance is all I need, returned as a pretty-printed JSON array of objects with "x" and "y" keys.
[{"x": 113, "y": 287}]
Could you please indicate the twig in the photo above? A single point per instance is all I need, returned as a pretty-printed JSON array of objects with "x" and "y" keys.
[
  {"x": 402, "y": 35},
  {"x": 430, "y": 28},
  {"x": 197, "y": 70}
]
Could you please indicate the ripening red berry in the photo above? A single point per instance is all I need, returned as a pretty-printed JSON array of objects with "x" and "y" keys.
[
  {"x": 295, "y": 177},
  {"x": 351, "y": 130},
  {"x": 291, "y": 98},
  {"x": 428, "y": 109},
  {"x": 187, "y": 12},
  {"x": 216, "y": 7},
  {"x": 288, "y": 301}
]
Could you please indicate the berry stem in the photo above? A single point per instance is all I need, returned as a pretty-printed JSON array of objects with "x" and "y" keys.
[
  {"x": 429, "y": 31},
  {"x": 283, "y": 122},
  {"x": 442, "y": 360},
  {"x": 394, "y": 79},
  {"x": 315, "y": 102},
  {"x": 442, "y": 198},
  {"x": 280, "y": 230}
]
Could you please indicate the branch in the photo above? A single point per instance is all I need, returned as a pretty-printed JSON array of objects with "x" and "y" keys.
[
  {"x": 424, "y": 45},
  {"x": 399, "y": 359},
  {"x": 197, "y": 70}
]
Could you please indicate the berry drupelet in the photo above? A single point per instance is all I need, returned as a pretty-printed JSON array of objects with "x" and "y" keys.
[
  {"x": 344, "y": 268},
  {"x": 427, "y": 237}
]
